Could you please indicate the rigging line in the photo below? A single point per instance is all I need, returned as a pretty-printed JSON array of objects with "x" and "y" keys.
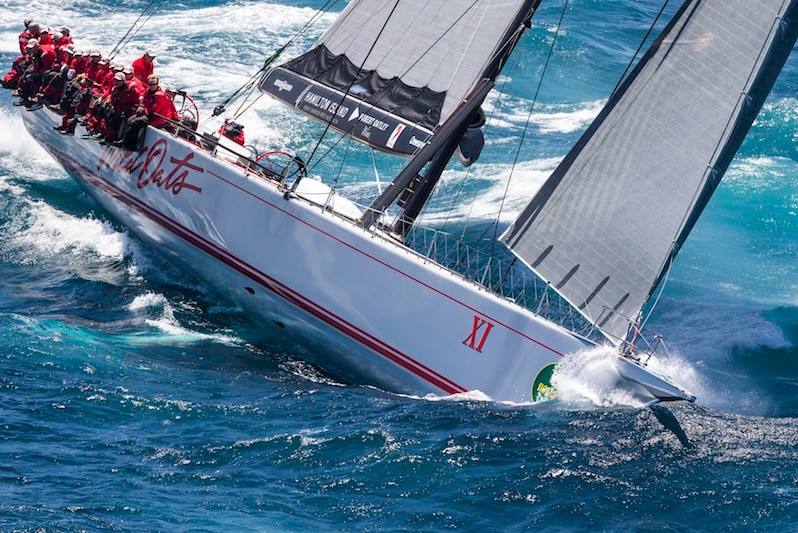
[
  {"x": 116, "y": 48},
  {"x": 516, "y": 58},
  {"x": 640, "y": 46},
  {"x": 244, "y": 106},
  {"x": 659, "y": 294},
  {"x": 376, "y": 171},
  {"x": 529, "y": 115},
  {"x": 501, "y": 51},
  {"x": 352, "y": 82},
  {"x": 420, "y": 56},
  {"x": 249, "y": 85},
  {"x": 343, "y": 161},
  {"x": 310, "y": 166},
  {"x": 128, "y": 37}
]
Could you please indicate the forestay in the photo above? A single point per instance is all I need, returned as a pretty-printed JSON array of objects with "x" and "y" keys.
[
  {"x": 389, "y": 73},
  {"x": 606, "y": 225}
]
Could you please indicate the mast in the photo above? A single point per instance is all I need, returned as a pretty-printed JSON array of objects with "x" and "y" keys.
[
  {"x": 432, "y": 150},
  {"x": 415, "y": 198}
]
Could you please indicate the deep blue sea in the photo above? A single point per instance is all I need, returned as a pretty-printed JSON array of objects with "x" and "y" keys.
[{"x": 134, "y": 399}]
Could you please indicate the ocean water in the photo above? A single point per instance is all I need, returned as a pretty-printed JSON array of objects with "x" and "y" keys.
[{"x": 134, "y": 399}]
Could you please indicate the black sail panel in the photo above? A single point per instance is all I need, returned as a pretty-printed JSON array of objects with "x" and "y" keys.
[
  {"x": 390, "y": 73},
  {"x": 351, "y": 114}
]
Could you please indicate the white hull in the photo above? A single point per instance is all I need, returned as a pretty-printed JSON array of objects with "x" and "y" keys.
[{"x": 365, "y": 306}]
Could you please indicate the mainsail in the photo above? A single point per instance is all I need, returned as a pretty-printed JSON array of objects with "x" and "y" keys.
[
  {"x": 605, "y": 227},
  {"x": 390, "y": 73}
]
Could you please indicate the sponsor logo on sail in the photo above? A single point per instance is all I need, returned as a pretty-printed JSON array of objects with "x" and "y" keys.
[
  {"x": 283, "y": 85},
  {"x": 416, "y": 143},
  {"x": 322, "y": 103},
  {"x": 397, "y": 131}
]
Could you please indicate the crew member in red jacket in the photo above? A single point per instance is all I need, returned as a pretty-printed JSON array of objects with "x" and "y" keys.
[
  {"x": 94, "y": 70},
  {"x": 39, "y": 60},
  {"x": 124, "y": 102},
  {"x": 31, "y": 32},
  {"x": 144, "y": 66},
  {"x": 156, "y": 106},
  {"x": 66, "y": 34},
  {"x": 45, "y": 37},
  {"x": 139, "y": 85},
  {"x": 26, "y": 35}
]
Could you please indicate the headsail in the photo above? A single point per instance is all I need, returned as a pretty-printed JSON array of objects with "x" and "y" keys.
[
  {"x": 389, "y": 73},
  {"x": 606, "y": 225}
]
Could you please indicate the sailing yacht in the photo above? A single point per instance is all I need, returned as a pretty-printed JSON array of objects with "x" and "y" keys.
[{"x": 408, "y": 77}]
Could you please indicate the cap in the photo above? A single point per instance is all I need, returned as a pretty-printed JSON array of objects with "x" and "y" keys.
[
  {"x": 33, "y": 27},
  {"x": 45, "y": 30},
  {"x": 64, "y": 30},
  {"x": 57, "y": 36},
  {"x": 104, "y": 61},
  {"x": 32, "y": 43},
  {"x": 150, "y": 52},
  {"x": 128, "y": 70},
  {"x": 119, "y": 76},
  {"x": 118, "y": 67},
  {"x": 95, "y": 53},
  {"x": 69, "y": 49}
]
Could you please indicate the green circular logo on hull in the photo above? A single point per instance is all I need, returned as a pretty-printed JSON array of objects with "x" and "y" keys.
[{"x": 541, "y": 388}]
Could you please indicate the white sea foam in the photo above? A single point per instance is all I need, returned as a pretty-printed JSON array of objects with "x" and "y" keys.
[
  {"x": 50, "y": 232},
  {"x": 549, "y": 118},
  {"x": 591, "y": 376},
  {"x": 17, "y": 151},
  {"x": 156, "y": 311}
]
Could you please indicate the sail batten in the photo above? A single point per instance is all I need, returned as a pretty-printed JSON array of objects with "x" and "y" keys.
[
  {"x": 390, "y": 73},
  {"x": 622, "y": 201}
]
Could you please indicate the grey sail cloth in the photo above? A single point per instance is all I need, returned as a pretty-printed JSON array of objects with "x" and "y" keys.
[
  {"x": 391, "y": 69},
  {"x": 445, "y": 46},
  {"x": 606, "y": 225}
]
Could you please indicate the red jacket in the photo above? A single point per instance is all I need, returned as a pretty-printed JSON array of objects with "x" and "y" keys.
[
  {"x": 141, "y": 69},
  {"x": 95, "y": 71},
  {"x": 159, "y": 102},
  {"x": 79, "y": 64},
  {"x": 107, "y": 83},
  {"x": 235, "y": 133},
  {"x": 42, "y": 59},
  {"x": 24, "y": 37},
  {"x": 139, "y": 86},
  {"x": 125, "y": 99}
]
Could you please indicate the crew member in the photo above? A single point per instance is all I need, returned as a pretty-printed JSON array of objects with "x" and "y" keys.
[
  {"x": 137, "y": 84},
  {"x": 31, "y": 32},
  {"x": 156, "y": 106},
  {"x": 26, "y": 35},
  {"x": 39, "y": 61},
  {"x": 124, "y": 101},
  {"x": 144, "y": 66}
]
